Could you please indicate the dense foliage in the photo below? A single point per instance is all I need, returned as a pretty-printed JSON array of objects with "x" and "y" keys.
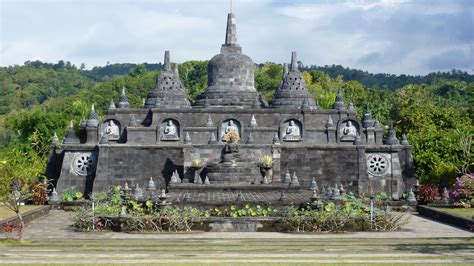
[{"x": 38, "y": 99}]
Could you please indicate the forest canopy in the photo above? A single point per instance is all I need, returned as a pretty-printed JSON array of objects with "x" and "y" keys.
[{"x": 435, "y": 111}]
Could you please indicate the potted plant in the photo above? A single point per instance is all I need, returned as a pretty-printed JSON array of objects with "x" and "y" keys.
[
  {"x": 266, "y": 162},
  {"x": 197, "y": 165}
]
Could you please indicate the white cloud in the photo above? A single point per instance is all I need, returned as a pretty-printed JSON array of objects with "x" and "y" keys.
[{"x": 394, "y": 36}]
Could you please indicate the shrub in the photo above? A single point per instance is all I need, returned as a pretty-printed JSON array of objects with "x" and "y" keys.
[
  {"x": 39, "y": 194},
  {"x": 461, "y": 194},
  {"x": 427, "y": 194}
]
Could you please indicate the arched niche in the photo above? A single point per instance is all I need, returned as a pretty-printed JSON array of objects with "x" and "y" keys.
[
  {"x": 348, "y": 130},
  {"x": 291, "y": 130},
  {"x": 111, "y": 128},
  {"x": 229, "y": 125},
  {"x": 170, "y": 130}
]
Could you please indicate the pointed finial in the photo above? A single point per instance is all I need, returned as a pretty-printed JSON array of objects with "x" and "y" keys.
[
  {"x": 231, "y": 31},
  {"x": 93, "y": 108},
  {"x": 112, "y": 104},
  {"x": 143, "y": 102},
  {"x": 176, "y": 71},
  {"x": 166, "y": 62},
  {"x": 71, "y": 124},
  {"x": 209, "y": 121},
  {"x": 329, "y": 123},
  {"x": 285, "y": 69},
  {"x": 294, "y": 62},
  {"x": 123, "y": 90}
]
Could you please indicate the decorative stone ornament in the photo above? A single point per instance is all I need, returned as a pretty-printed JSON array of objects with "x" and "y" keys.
[
  {"x": 283, "y": 197},
  {"x": 313, "y": 185},
  {"x": 206, "y": 181},
  {"x": 377, "y": 164},
  {"x": 239, "y": 197},
  {"x": 169, "y": 130},
  {"x": 292, "y": 131},
  {"x": 411, "y": 196},
  {"x": 339, "y": 102},
  {"x": 138, "y": 195},
  {"x": 367, "y": 120},
  {"x": 54, "y": 199},
  {"x": 336, "y": 195},
  {"x": 212, "y": 138},
  {"x": 133, "y": 121},
  {"x": 276, "y": 140},
  {"x": 287, "y": 178},
  {"x": 329, "y": 123},
  {"x": 123, "y": 101},
  {"x": 55, "y": 139},
  {"x": 253, "y": 121},
  {"x": 71, "y": 135},
  {"x": 209, "y": 121},
  {"x": 174, "y": 178},
  {"x": 111, "y": 130},
  {"x": 348, "y": 131},
  {"x": 294, "y": 181},
  {"x": 112, "y": 105},
  {"x": 404, "y": 140},
  {"x": 391, "y": 138},
  {"x": 250, "y": 139},
  {"x": 84, "y": 164},
  {"x": 187, "y": 139}
]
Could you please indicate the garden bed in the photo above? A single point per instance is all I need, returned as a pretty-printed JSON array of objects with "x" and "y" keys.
[{"x": 453, "y": 216}]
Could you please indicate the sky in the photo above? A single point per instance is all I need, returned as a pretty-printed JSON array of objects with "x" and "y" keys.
[{"x": 381, "y": 36}]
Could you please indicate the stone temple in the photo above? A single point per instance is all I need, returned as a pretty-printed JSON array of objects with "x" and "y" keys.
[{"x": 185, "y": 148}]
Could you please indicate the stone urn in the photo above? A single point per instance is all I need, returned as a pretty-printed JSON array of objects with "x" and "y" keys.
[
  {"x": 266, "y": 163},
  {"x": 197, "y": 167},
  {"x": 267, "y": 174}
]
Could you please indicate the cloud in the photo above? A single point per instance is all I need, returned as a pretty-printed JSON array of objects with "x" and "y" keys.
[{"x": 392, "y": 36}]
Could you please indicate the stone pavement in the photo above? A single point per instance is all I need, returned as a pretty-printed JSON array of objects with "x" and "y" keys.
[
  {"x": 52, "y": 240},
  {"x": 58, "y": 225}
]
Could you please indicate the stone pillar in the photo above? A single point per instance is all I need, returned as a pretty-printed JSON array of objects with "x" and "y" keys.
[
  {"x": 331, "y": 134},
  {"x": 92, "y": 135},
  {"x": 276, "y": 154},
  {"x": 370, "y": 135},
  {"x": 363, "y": 177},
  {"x": 378, "y": 136},
  {"x": 396, "y": 188}
]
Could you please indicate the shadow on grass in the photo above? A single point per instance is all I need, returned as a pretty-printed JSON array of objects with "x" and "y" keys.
[{"x": 436, "y": 248}]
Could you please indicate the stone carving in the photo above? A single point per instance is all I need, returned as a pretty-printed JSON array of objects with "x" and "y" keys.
[
  {"x": 348, "y": 132},
  {"x": 229, "y": 126},
  {"x": 169, "y": 130},
  {"x": 377, "y": 164},
  {"x": 84, "y": 164},
  {"x": 292, "y": 132},
  {"x": 112, "y": 130}
]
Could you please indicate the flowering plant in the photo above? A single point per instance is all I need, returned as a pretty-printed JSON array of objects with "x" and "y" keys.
[
  {"x": 231, "y": 137},
  {"x": 461, "y": 194}
]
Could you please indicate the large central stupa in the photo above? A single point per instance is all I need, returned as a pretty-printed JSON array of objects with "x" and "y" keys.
[{"x": 216, "y": 147}]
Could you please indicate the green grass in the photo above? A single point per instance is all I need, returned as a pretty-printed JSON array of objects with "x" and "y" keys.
[
  {"x": 241, "y": 251},
  {"x": 5, "y": 212},
  {"x": 467, "y": 213}
]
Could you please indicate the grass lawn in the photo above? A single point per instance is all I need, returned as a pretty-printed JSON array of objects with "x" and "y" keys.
[
  {"x": 222, "y": 251},
  {"x": 5, "y": 212},
  {"x": 467, "y": 213}
]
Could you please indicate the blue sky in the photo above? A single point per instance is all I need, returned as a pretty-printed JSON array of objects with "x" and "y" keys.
[{"x": 388, "y": 36}]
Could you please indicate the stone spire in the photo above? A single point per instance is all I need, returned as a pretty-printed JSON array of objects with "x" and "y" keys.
[
  {"x": 294, "y": 62},
  {"x": 123, "y": 101},
  {"x": 339, "y": 102},
  {"x": 71, "y": 137},
  {"x": 92, "y": 118},
  {"x": 169, "y": 91},
  {"x": 293, "y": 92},
  {"x": 230, "y": 75},
  {"x": 231, "y": 31},
  {"x": 166, "y": 62}
]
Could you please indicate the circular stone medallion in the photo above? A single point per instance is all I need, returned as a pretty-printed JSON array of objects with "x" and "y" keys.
[
  {"x": 377, "y": 164},
  {"x": 84, "y": 164}
]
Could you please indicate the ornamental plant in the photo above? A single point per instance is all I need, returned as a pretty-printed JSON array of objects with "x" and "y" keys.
[
  {"x": 197, "y": 163},
  {"x": 266, "y": 161},
  {"x": 427, "y": 194},
  {"x": 461, "y": 194}
]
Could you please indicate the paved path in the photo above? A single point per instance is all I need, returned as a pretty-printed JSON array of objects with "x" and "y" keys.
[
  {"x": 52, "y": 240},
  {"x": 58, "y": 224}
]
